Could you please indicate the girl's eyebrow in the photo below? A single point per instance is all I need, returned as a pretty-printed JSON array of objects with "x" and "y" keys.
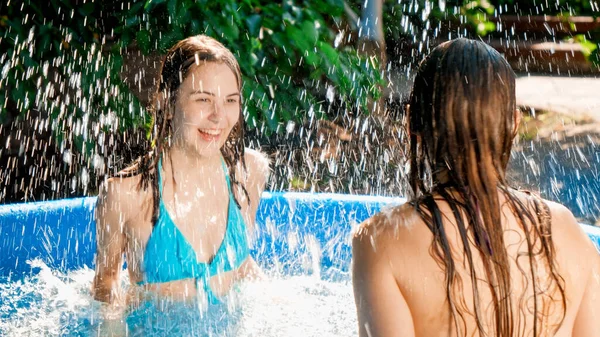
[{"x": 199, "y": 92}]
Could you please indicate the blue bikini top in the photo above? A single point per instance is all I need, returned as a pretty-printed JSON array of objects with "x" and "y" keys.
[{"x": 169, "y": 256}]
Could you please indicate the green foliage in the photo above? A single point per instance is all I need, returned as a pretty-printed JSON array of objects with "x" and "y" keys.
[
  {"x": 476, "y": 14},
  {"x": 588, "y": 47},
  {"x": 65, "y": 57},
  {"x": 410, "y": 19},
  {"x": 284, "y": 49},
  {"x": 52, "y": 60}
]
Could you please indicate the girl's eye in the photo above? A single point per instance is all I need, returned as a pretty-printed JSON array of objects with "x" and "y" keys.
[
  {"x": 203, "y": 100},
  {"x": 232, "y": 100}
]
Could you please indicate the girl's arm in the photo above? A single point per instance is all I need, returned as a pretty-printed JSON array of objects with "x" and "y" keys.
[
  {"x": 110, "y": 238},
  {"x": 586, "y": 322},
  {"x": 583, "y": 256},
  {"x": 381, "y": 307},
  {"x": 257, "y": 173},
  {"x": 255, "y": 179}
]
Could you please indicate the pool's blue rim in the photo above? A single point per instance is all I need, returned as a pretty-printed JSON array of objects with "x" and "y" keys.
[
  {"x": 63, "y": 231},
  {"x": 90, "y": 202}
]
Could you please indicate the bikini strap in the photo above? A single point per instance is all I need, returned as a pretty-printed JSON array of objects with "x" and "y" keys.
[
  {"x": 159, "y": 176},
  {"x": 226, "y": 170}
]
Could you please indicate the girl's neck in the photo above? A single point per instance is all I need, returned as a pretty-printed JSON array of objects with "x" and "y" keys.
[{"x": 188, "y": 167}]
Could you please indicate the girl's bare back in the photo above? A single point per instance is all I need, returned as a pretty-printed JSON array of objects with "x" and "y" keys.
[{"x": 401, "y": 289}]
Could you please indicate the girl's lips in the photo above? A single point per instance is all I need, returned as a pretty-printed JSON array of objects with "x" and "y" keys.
[{"x": 210, "y": 135}]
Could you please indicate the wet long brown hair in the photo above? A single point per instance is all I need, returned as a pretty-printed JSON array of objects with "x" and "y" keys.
[
  {"x": 461, "y": 123},
  {"x": 194, "y": 50}
]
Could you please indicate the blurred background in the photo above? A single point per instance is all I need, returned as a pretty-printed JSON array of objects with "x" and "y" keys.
[{"x": 324, "y": 86}]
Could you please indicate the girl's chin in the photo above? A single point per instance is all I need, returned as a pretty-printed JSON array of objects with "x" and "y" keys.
[{"x": 208, "y": 149}]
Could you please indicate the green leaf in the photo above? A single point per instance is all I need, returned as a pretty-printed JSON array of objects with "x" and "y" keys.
[
  {"x": 195, "y": 27},
  {"x": 143, "y": 41},
  {"x": 132, "y": 21},
  {"x": 125, "y": 38},
  {"x": 170, "y": 38},
  {"x": 86, "y": 8},
  {"x": 587, "y": 46},
  {"x": 253, "y": 22},
  {"x": 117, "y": 62},
  {"x": 253, "y": 59},
  {"x": 310, "y": 31},
  {"x": 44, "y": 43},
  {"x": 316, "y": 74},
  {"x": 298, "y": 38},
  {"x": 150, "y": 4},
  {"x": 311, "y": 58},
  {"x": 172, "y": 8},
  {"x": 332, "y": 7},
  {"x": 250, "y": 115},
  {"x": 286, "y": 102},
  {"x": 330, "y": 53},
  {"x": 29, "y": 62},
  {"x": 288, "y": 19},
  {"x": 230, "y": 31}
]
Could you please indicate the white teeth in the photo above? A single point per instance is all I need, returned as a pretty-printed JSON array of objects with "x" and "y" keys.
[{"x": 211, "y": 132}]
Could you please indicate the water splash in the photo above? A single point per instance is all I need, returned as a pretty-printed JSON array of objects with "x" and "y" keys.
[{"x": 52, "y": 303}]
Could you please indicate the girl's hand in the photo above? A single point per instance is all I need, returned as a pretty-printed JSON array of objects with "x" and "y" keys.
[
  {"x": 112, "y": 328},
  {"x": 250, "y": 270},
  {"x": 112, "y": 321}
]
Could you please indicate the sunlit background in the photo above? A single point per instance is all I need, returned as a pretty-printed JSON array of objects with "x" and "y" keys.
[
  {"x": 324, "y": 86},
  {"x": 324, "y": 83}
]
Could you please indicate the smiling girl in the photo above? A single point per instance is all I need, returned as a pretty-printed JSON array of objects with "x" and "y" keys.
[{"x": 181, "y": 214}]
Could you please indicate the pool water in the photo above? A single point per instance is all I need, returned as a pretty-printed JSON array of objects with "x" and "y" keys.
[
  {"x": 303, "y": 242},
  {"x": 50, "y": 303}
]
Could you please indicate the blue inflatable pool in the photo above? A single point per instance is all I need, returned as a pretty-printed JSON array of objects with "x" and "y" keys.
[{"x": 62, "y": 233}]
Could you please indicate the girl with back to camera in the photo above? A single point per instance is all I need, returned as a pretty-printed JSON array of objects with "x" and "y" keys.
[
  {"x": 468, "y": 255},
  {"x": 182, "y": 213}
]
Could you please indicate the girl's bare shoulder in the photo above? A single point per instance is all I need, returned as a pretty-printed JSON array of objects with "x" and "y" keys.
[
  {"x": 257, "y": 163},
  {"x": 123, "y": 195},
  {"x": 256, "y": 172},
  {"x": 562, "y": 218},
  {"x": 393, "y": 223}
]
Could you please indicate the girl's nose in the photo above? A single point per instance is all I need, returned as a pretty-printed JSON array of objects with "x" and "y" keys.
[{"x": 217, "y": 113}]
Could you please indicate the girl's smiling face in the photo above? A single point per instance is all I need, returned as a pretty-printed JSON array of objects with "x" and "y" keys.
[{"x": 207, "y": 108}]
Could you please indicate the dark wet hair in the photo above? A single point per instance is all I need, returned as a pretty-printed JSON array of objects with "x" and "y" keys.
[
  {"x": 177, "y": 63},
  {"x": 461, "y": 125}
]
